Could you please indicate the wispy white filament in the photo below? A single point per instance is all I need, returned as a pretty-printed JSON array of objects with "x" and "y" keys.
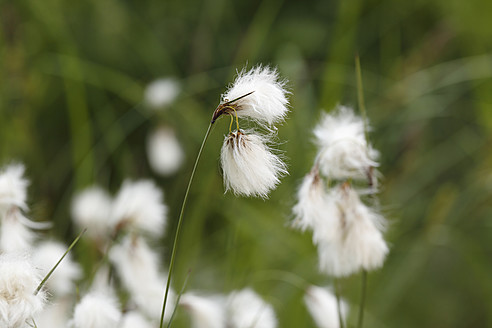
[
  {"x": 268, "y": 103},
  {"x": 161, "y": 92},
  {"x": 344, "y": 152},
  {"x": 353, "y": 239},
  {"x": 139, "y": 206},
  {"x": 164, "y": 151},
  {"x": 248, "y": 310},
  {"x": 249, "y": 166},
  {"x": 62, "y": 281},
  {"x": 18, "y": 281},
  {"x": 91, "y": 209},
  {"x": 15, "y": 235},
  {"x": 96, "y": 310},
  {"x": 322, "y": 305},
  {"x": 206, "y": 312}
]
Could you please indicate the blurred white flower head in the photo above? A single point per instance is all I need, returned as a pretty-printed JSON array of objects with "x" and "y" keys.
[
  {"x": 266, "y": 101},
  {"x": 353, "y": 239},
  {"x": 55, "y": 314},
  {"x": 206, "y": 312},
  {"x": 18, "y": 282},
  {"x": 13, "y": 187},
  {"x": 91, "y": 209},
  {"x": 96, "y": 310},
  {"x": 139, "y": 206},
  {"x": 133, "y": 319},
  {"x": 62, "y": 281},
  {"x": 15, "y": 233},
  {"x": 322, "y": 305},
  {"x": 246, "y": 309},
  {"x": 161, "y": 93},
  {"x": 164, "y": 151},
  {"x": 138, "y": 268},
  {"x": 344, "y": 152},
  {"x": 249, "y": 167}
]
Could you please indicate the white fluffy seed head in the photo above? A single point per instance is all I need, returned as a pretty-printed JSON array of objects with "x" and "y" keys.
[
  {"x": 62, "y": 281},
  {"x": 139, "y": 206},
  {"x": 355, "y": 240},
  {"x": 248, "y": 310},
  {"x": 13, "y": 187},
  {"x": 311, "y": 202},
  {"x": 15, "y": 235},
  {"x": 206, "y": 312},
  {"x": 18, "y": 281},
  {"x": 55, "y": 314},
  {"x": 322, "y": 305},
  {"x": 138, "y": 268},
  {"x": 133, "y": 319},
  {"x": 161, "y": 93},
  {"x": 268, "y": 102},
  {"x": 249, "y": 167},
  {"x": 343, "y": 149},
  {"x": 96, "y": 310},
  {"x": 164, "y": 151},
  {"x": 91, "y": 209}
]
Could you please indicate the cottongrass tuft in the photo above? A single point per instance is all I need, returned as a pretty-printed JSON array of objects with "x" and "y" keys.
[
  {"x": 249, "y": 166},
  {"x": 161, "y": 93},
  {"x": 268, "y": 102},
  {"x": 133, "y": 319},
  {"x": 247, "y": 309},
  {"x": 206, "y": 312},
  {"x": 164, "y": 151},
  {"x": 13, "y": 187},
  {"x": 344, "y": 151},
  {"x": 322, "y": 305},
  {"x": 96, "y": 310},
  {"x": 139, "y": 206},
  {"x": 91, "y": 209},
  {"x": 18, "y": 281}
]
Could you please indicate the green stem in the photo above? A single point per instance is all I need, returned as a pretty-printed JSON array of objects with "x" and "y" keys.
[
  {"x": 339, "y": 304},
  {"x": 179, "y": 297},
  {"x": 41, "y": 284},
  {"x": 363, "y": 299},
  {"x": 178, "y": 228}
]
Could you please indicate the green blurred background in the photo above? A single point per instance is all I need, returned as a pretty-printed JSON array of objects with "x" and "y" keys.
[{"x": 72, "y": 76}]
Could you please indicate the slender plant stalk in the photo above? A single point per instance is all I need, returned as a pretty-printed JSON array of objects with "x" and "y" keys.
[
  {"x": 41, "y": 284},
  {"x": 178, "y": 228},
  {"x": 362, "y": 299},
  {"x": 339, "y": 303}
]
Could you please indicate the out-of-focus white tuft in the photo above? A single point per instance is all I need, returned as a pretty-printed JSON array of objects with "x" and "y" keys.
[
  {"x": 206, "y": 312},
  {"x": 18, "y": 281},
  {"x": 138, "y": 268},
  {"x": 164, "y": 151},
  {"x": 267, "y": 104},
  {"x": 353, "y": 240},
  {"x": 322, "y": 305},
  {"x": 96, "y": 310},
  {"x": 344, "y": 152},
  {"x": 13, "y": 187},
  {"x": 55, "y": 314},
  {"x": 249, "y": 166},
  {"x": 161, "y": 93},
  {"x": 91, "y": 209},
  {"x": 15, "y": 235},
  {"x": 139, "y": 206},
  {"x": 62, "y": 281},
  {"x": 248, "y": 310},
  {"x": 311, "y": 206},
  {"x": 134, "y": 319}
]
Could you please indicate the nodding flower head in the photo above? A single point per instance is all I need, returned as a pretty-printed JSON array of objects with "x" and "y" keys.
[
  {"x": 257, "y": 94},
  {"x": 249, "y": 167}
]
